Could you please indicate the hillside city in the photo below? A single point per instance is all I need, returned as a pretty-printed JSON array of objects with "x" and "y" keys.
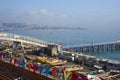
[{"x": 23, "y": 26}]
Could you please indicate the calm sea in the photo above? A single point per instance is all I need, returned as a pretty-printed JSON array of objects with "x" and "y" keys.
[{"x": 76, "y": 37}]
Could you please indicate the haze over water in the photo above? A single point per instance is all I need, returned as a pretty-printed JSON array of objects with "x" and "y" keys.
[{"x": 72, "y": 37}]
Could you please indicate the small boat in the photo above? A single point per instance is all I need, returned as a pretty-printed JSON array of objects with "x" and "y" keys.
[
  {"x": 109, "y": 76},
  {"x": 77, "y": 76},
  {"x": 50, "y": 61},
  {"x": 74, "y": 68},
  {"x": 56, "y": 62},
  {"x": 41, "y": 59},
  {"x": 69, "y": 70},
  {"x": 92, "y": 77}
]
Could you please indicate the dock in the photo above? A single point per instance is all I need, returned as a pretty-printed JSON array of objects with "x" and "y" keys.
[{"x": 94, "y": 47}]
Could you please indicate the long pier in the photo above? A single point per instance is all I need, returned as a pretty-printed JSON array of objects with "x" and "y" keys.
[
  {"x": 95, "y": 47},
  {"x": 19, "y": 40}
]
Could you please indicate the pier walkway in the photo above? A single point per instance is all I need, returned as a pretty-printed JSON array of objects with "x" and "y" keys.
[
  {"x": 24, "y": 39},
  {"x": 94, "y": 47},
  {"x": 18, "y": 42}
]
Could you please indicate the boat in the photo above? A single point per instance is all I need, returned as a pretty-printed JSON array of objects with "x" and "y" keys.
[
  {"x": 56, "y": 62},
  {"x": 41, "y": 59},
  {"x": 69, "y": 70},
  {"x": 50, "y": 61},
  {"x": 92, "y": 77},
  {"x": 74, "y": 68},
  {"x": 109, "y": 76},
  {"x": 77, "y": 76}
]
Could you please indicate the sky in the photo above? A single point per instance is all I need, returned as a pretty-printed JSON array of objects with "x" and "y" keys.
[{"x": 82, "y": 13}]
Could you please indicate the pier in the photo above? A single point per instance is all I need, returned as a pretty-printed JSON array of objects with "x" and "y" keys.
[
  {"x": 93, "y": 48},
  {"x": 18, "y": 41}
]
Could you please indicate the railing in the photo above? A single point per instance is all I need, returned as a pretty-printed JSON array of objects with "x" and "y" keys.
[
  {"x": 25, "y": 38},
  {"x": 93, "y": 44}
]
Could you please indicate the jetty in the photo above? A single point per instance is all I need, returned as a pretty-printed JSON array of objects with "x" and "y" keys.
[{"x": 94, "y": 47}]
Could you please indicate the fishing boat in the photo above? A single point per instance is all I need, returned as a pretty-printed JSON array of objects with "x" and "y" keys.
[
  {"x": 74, "y": 68},
  {"x": 41, "y": 59},
  {"x": 109, "y": 76},
  {"x": 56, "y": 62},
  {"x": 51, "y": 61},
  {"x": 78, "y": 76},
  {"x": 92, "y": 77},
  {"x": 70, "y": 69}
]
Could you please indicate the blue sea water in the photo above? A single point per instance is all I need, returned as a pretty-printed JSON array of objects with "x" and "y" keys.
[{"x": 76, "y": 37}]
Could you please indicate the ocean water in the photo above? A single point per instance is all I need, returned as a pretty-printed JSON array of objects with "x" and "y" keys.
[{"x": 70, "y": 38}]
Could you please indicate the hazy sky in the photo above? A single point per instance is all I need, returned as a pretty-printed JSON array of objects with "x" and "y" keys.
[{"x": 84, "y": 13}]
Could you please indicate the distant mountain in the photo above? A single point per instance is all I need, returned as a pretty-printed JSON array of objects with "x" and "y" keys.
[
  {"x": 12, "y": 26},
  {"x": 20, "y": 25},
  {"x": 24, "y": 26}
]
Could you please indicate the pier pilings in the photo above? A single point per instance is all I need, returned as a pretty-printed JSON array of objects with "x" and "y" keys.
[{"x": 93, "y": 48}]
